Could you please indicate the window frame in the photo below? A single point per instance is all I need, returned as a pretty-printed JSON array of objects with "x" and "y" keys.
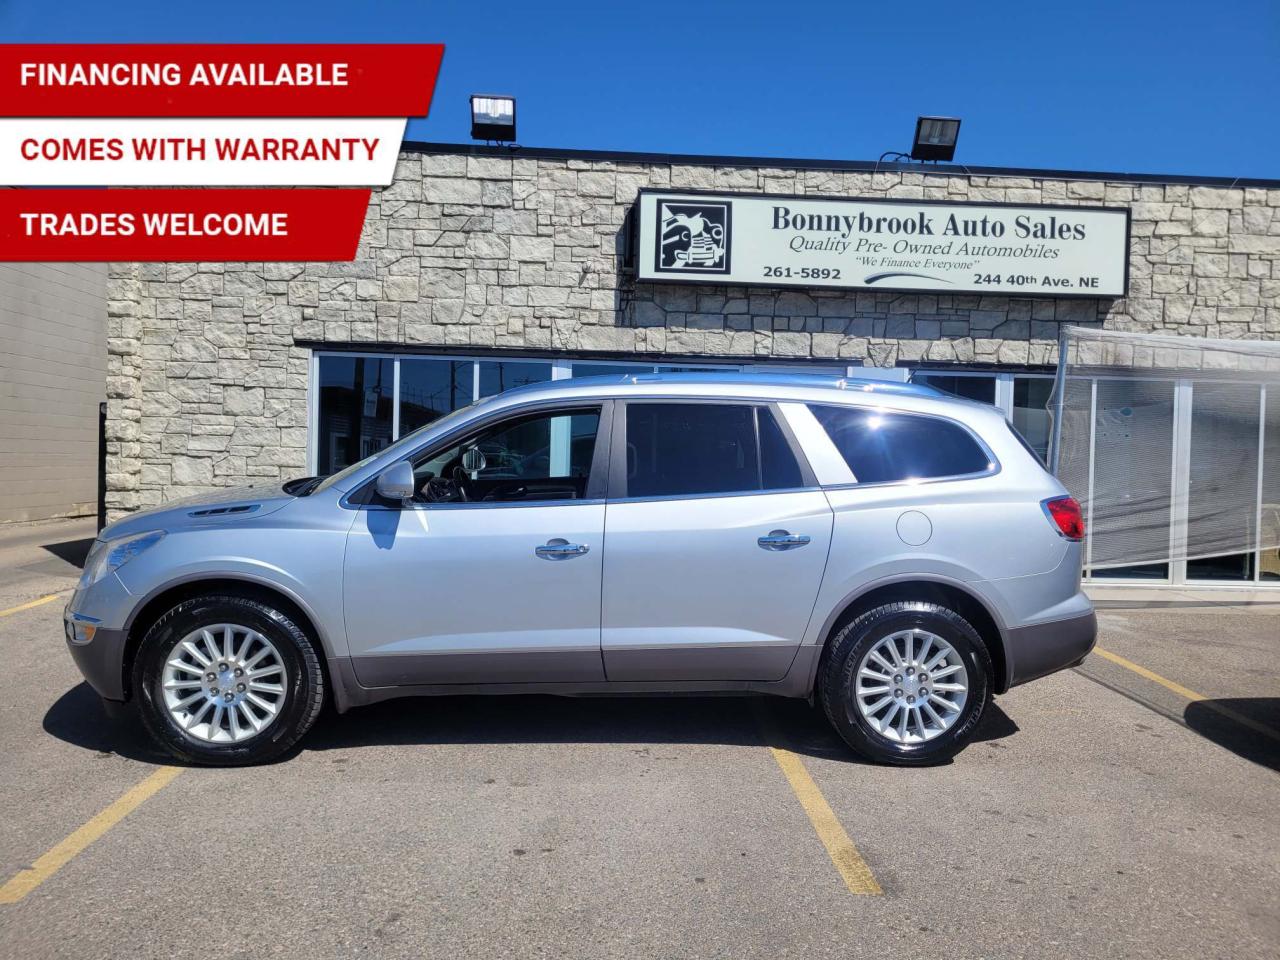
[
  {"x": 365, "y": 497},
  {"x": 617, "y": 485},
  {"x": 994, "y": 466},
  {"x": 1006, "y": 380}
]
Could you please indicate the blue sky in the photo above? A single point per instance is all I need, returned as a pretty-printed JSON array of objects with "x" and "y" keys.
[{"x": 1119, "y": 85}]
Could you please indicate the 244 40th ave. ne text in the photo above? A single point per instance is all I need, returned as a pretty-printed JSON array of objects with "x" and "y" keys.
[{"x": 1030, "y": 280}]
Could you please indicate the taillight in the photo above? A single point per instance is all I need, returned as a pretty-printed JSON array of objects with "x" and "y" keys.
[{"x": 1066, "y": 516}]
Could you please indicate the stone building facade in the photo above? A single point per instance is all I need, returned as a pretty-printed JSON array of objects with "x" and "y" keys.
[{"x": 478, "y": 251}]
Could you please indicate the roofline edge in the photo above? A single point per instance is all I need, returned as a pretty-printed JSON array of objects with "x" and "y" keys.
[{"x": 858, "y": 166}]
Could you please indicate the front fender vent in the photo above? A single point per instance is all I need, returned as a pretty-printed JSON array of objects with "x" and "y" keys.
[{"x": 224, "y": 511}]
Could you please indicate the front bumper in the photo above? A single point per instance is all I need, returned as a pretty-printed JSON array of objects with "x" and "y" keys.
[
  {"x": 101, "y": 662},
  {"x": 1039, "y": 649},
  {"x": 105, "y": 605}
]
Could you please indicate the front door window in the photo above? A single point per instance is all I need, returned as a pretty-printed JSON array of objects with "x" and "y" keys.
[{"x": 544, "y": 456}]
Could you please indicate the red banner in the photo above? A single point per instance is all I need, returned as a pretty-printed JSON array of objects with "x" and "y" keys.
[
  {"x": 180, "y": 225},
  {"x": 218, "y": 80}
]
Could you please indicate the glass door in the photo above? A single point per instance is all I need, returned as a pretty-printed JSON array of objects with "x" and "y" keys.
[
  {"x": 1131, "y": 479},
  {"x": 1269, "y": 489},
  {"x": 1222, "y": 481}
]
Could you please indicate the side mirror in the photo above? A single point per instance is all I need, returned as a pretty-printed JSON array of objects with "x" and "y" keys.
[
  {"x": 396, "y": 482},
  {"x": 473, "y": 460}
]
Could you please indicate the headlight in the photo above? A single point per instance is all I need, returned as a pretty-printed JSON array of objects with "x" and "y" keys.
[{"x": 109, "y": 556}]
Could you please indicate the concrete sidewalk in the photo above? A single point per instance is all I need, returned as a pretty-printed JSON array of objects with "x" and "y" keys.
[{"x": 1137, "y": 597}]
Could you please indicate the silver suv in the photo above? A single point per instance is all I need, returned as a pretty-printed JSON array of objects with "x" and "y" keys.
[{"x": 898, "y": 555}]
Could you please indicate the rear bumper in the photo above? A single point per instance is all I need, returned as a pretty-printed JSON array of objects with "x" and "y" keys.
[{"x": 1039, "y": 649}]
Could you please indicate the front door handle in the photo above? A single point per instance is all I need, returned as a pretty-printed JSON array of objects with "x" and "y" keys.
[
  {"x": 558, "y": 549},
  {"x": 782, "y": 540}
]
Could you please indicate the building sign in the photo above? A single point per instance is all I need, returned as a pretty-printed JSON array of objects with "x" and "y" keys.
[{"x": 916, "y": 245}]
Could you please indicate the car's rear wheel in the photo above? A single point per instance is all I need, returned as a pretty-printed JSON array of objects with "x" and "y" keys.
[
  {"x": 226, "y": 680},
  {"x": 906, "y": 683}
]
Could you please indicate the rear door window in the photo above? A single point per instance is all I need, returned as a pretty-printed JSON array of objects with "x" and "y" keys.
[
  {"x": 889, "y": 447},
  {"x": 697, "y": 449}
]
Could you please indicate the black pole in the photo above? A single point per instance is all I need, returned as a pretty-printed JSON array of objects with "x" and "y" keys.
[{"x": 102, "y": 465}]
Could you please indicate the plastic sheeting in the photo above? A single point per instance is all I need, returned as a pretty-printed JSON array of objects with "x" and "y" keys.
[{"x": 1171, "y": 444}]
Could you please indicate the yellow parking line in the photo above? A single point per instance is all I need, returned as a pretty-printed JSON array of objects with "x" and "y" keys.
[
  {"x": 24, "y": 881},
  {"x": 33, "y": 603},
  {"x": 1188, "y": 693},
  {"x": 844, "y": 854}
]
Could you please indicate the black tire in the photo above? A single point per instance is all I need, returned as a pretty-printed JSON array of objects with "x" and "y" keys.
[
  {"x": 835, "y": 682},
  {"x": 304, "y": 690}
]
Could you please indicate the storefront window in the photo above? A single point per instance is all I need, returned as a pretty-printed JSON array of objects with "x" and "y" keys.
[
  {"x": 702, "y": 368},
  {"x": 499, "y": 375},
  {"x": 431, "y": 388},
  {"x": 355, "y": 410},
  {"x": 1132, "y": 476},
  {"x": 977, "y": 387},
  {"x": 592, "y": 369},
  {"x": 610, "y": 369},
  {"x": 1031, "y": 412},
  {"x": 1142, "y": 571}
]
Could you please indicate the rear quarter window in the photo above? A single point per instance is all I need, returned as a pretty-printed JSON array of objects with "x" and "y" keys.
[{"x": 889, "y": 447}]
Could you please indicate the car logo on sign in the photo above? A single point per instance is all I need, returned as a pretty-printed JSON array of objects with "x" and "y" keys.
[{"x": 693, "y": 236}]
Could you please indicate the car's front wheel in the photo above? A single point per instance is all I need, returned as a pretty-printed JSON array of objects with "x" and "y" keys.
[
  {"x": 226, "y": 680},
  {"x": 906, "y": 683}
]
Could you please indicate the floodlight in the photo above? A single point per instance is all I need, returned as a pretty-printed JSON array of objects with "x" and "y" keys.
[
  {"x": 935, "y": 138},
  {"x": 493, "y": 118}
]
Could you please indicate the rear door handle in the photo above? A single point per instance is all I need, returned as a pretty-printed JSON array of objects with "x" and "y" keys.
[
  {"x": 558, "y": 549},
  {"x": 782, "y": 540}
]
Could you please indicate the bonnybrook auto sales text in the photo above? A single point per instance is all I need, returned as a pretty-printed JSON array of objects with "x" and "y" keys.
[{"x": 840, "y": 229}]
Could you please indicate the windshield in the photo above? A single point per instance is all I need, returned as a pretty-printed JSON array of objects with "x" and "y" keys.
[{"x": 405, "y": 443}]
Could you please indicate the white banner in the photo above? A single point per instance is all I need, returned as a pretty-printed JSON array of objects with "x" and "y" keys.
[
  {"x": 905, "y": 245},
  {"x": 162, "y": 152}
]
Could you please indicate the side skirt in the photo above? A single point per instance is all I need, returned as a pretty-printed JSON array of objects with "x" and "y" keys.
[{"x": 348, "y": 693}]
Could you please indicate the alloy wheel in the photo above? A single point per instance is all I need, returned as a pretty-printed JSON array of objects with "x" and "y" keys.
[
  {"x": 911, "y": 686},
  {"x": 223, "y": 683}
]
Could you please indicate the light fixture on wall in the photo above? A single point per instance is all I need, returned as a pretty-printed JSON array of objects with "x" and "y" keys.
[
  {"x": 493, "y": 118},
  {"x": 935, "y": 138}
]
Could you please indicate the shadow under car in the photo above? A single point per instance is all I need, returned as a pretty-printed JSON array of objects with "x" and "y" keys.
[{"x": 78, "y": 718}]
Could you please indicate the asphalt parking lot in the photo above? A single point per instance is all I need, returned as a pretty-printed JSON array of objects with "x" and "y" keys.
[{"x": 1106, "y": 811}]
